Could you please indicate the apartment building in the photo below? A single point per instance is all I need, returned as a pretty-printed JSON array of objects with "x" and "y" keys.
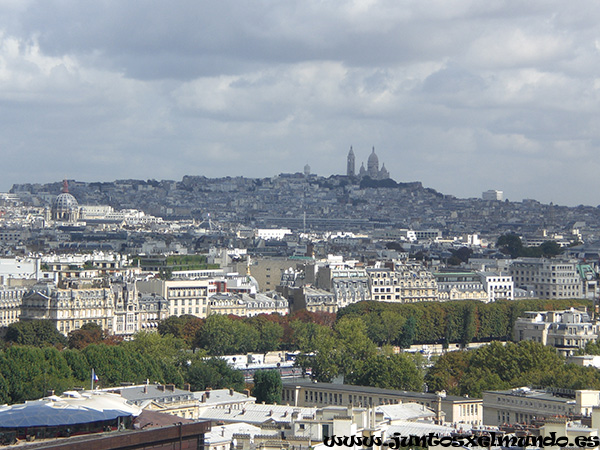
[
  {"x": 183, "y": 296},
  {"x": 497, "y": 286},
  {"x": 71, "y": 306},
  {"x": 460, "y": 286},
  {"x": 547, "y": 278},
  {"x": 311, "y": 299},
  {"x": 568, "y": 331},
  {"x": 247, "y": 305},
  {"x": 10, "y": 304},
  {"x": 406, "y": 283}
]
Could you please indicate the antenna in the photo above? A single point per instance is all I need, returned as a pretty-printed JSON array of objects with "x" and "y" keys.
[{"x": 304, "y": 222}]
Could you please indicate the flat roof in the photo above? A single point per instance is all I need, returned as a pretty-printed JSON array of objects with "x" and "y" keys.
[{"x": 377, "y": 391}]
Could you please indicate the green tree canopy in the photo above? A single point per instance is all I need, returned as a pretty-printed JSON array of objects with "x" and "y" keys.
[
  {"x": 89, "y": 333},
  {"x": 268, "y": 386},
  {"x": 38, "y": 333}
]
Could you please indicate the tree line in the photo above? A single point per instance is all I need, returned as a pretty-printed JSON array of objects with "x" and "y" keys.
[
  {"x": 31, "y": 367},
  {"x": 356, "y": 344},
  {"x": 497, "y": 367},
  {"x": 449, "y": 322}
]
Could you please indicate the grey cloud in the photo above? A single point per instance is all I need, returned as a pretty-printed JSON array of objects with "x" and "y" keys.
[{"x": 462, "y": 95}]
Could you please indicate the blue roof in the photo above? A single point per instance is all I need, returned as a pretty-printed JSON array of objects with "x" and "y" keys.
[{"x": 57, "y": 411}]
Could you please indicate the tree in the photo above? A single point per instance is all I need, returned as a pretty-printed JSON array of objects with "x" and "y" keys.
[
  {"x": 550, "y": 248},
  {"x": 389, "y": 372},
  {"x": 463, "y": 254},
  {"x": 353, "y": 344},
  {"x": 38, "y": 333},
  {"x": 510, "y": 244},
  {"x": 216, "y": 336},
  {"x": 89, "y": 333},
  {"x": 214, "y": 373},
  {"x": 271, "y": 334},
  {"x": 469, "y": 329},
  {"x": 268, "y": 386},
  {"x": 409, "y": 331},
  {"x": 155, "y": 346}
]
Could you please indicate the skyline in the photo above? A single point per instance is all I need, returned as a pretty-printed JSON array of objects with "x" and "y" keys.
[{"x": 461, "y": 96}]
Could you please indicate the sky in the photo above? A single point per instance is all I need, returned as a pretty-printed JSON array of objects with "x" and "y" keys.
[{"x": 462, "y": 95}]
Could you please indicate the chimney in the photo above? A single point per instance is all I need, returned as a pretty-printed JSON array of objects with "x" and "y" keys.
[
  {"x": 247, "y": 392},
  {"x": 170, "y": 387},
  {"x": 231, "y": 392},
  {"x": 50, "y": 392},
  {"x": 161, "y": 387},
  {"x": 145, "y": 389},
  {"x": 207, "y": 393},
  {"x": 187, "y": 387}
]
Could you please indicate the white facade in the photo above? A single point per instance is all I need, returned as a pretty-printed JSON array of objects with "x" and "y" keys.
[
  {"x": 22, "y": 268},
  {"x": 498, "y": 287},
  {"x": 10, "y": 304},
  {"x": 524, "y": 405},
  {"x": 276, "y": 233},
  {"x": 492, "y": 194}
]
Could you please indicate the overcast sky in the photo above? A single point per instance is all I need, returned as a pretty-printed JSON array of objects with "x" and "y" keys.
[{"x": 462, "y": 95}]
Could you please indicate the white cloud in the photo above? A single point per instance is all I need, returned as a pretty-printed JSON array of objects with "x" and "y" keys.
[{"x": 112, "y": 90}]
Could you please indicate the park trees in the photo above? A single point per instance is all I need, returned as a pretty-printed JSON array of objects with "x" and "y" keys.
[{"x": 268, "y": 386}]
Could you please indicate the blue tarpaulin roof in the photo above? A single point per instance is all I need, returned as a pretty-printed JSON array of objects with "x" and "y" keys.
[{"x": 57, "y": 411}]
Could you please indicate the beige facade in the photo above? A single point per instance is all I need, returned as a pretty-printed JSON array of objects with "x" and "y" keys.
[
  {"x": 447, "y": 409},
  {"x": 70, "y": 308},
  {"x": 183, "y": 296},
  {"x": 10, "y": 304},
  {"x": 567, "y": 330},
  {"x": 247, "y": 305},
  {"x": 460, "y": 286},
  {"x": 309, "y": 299},
  {"x": 267, "y": 271},
  {"x": 547, "y": 278},
  {"x": 405, "y": 284}
]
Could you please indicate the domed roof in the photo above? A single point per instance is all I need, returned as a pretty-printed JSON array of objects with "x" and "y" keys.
[
  {"x": 373, "y": 159},
  {"x": 65, "y": 206},
  {"x": 64, "y": 202}
]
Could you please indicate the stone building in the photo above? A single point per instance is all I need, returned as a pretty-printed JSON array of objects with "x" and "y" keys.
[
  {"x": 71, "y": 306},
  {"x": 406, "y": 283},
  {"x": 568, "y": 331}
]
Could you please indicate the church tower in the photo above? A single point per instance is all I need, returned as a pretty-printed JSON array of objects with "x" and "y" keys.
[{"x": 350, "y": 167}]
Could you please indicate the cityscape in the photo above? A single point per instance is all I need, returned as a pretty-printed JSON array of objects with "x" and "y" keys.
[
  {"x": 299, "y": 225},
  {"x": 349, "y": 292}
]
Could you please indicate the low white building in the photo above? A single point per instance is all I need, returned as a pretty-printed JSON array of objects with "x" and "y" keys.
[
  {"x": 497, "y": 287},
  {"x": 524, "y": 405},
  {"x": 272, "y": 233}
]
